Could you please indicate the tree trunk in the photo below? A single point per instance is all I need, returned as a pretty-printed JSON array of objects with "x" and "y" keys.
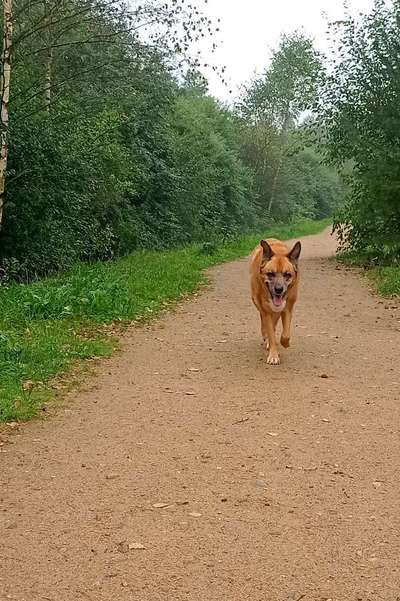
[
  {"x": 282, "y": 139},
  {"x": 47, "y": 78},
  {"x": 5, "y": 97},
  {"x": 48, "y": 61},
  {"x": 275, "y": 183}
]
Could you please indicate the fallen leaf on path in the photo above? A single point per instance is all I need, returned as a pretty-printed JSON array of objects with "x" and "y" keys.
[
  {"x": 136, "y": 546},
  {"x": 195, "y": 514},
  {"x": 193, "y": 369},
  {"x": 272, "y": 433},
  {"x": 241, "y": 421},
  {"x": 324, "y": 376},
  {"x": 295, "y": 597},
  {"x": 190, "y": 393},
  {"x": 125, "y": 547},
  {"x": 160, "y": 505},
  {"x": 112, "y": 476}
]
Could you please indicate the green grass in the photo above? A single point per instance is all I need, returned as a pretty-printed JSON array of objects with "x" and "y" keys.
[
  {"x": 386, "y": 280},
  {"x": 49, "y": 326}
]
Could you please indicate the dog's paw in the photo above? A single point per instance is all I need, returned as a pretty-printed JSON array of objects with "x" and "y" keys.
[
  {"x": 285, "y": 341},
  {"x": 273, "y": 358}
]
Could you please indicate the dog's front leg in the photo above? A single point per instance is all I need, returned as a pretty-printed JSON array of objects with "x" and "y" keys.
[
  {"x": 268, "y": 323},
  {"x": 286, "y": 323}
]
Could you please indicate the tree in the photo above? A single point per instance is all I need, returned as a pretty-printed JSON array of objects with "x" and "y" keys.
[
  {"x": 51, "y": 32},
  {"x": 288, "y": 87},
  {"x": 277, "y": 99},
  {"x": 5, "y": 79},
  {"x": 359, "y": 110},
  {"x": 58, "y": 45},
  {"x": 111, "y": 149}
]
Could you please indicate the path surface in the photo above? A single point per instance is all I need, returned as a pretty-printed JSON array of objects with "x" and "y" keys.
[{"x": 280, "y": 485}]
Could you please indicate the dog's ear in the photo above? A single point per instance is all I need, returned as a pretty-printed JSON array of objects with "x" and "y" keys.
[
  {"x": 267, "y": 251},
  {"x": 294, "y": 254}
]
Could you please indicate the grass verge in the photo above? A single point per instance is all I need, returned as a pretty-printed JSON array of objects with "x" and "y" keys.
[
  {"x": 385, "y": 279},
  {"x": 48, "y": 326}
]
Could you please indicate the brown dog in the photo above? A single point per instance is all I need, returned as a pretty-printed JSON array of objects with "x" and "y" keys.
[{"x": 274, "y": 279}]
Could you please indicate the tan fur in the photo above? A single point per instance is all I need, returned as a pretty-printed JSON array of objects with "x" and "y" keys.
[{"x": 279, "y": 263}]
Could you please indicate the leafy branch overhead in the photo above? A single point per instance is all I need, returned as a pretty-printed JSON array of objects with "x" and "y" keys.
[{"x": 51, "y": 33}]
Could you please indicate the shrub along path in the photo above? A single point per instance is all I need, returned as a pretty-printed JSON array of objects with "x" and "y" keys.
[{"x": 193, "y": 471}]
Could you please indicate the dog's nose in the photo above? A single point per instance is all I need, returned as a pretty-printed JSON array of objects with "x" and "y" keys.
[{"x": 278, "y": 289}]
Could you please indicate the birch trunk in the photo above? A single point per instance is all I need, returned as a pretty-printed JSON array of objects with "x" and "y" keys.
[
  {"x": 47, "y": 78},
  {"x": 48, "y": 61},
  {"x": 282, "y": 137},
  {"x": 4, "y": 98}
]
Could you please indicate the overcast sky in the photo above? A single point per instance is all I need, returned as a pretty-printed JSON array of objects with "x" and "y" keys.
[{"x": 250, "y": 28}]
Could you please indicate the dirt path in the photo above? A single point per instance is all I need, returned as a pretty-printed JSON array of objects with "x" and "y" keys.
[{"x": 280, "y": 485}]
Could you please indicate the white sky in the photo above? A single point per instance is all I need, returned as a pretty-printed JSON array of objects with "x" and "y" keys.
[{"x": 250, "y": 29}]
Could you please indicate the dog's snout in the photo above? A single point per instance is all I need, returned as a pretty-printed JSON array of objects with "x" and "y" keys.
[{"x": 278, "y": 289}]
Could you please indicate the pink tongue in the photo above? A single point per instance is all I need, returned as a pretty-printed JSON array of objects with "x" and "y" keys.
[{"x": 277, "y": 300}]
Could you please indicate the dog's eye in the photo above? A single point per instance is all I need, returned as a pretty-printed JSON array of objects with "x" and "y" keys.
[
  {"x": 270, "y": 274},
  {"x": 287, "y": 275}
]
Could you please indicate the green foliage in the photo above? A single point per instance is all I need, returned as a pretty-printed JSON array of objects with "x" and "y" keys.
[
  {"x": 288, "y": 87},
  {"x": 49, "y": 325},
  {"x": 100, "y": 170},
  {"x": 304, "y": 185},
  {"x": 308, "y": 188},
  {"x": 161, "y": 172},
  {"x": 213, "y": 188},
  {"x": 59, "y": 209},
  {"x": 360, "y": 110},
  {"x": 113, "y": 149},
  {"x": 289, "y": 179}
]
